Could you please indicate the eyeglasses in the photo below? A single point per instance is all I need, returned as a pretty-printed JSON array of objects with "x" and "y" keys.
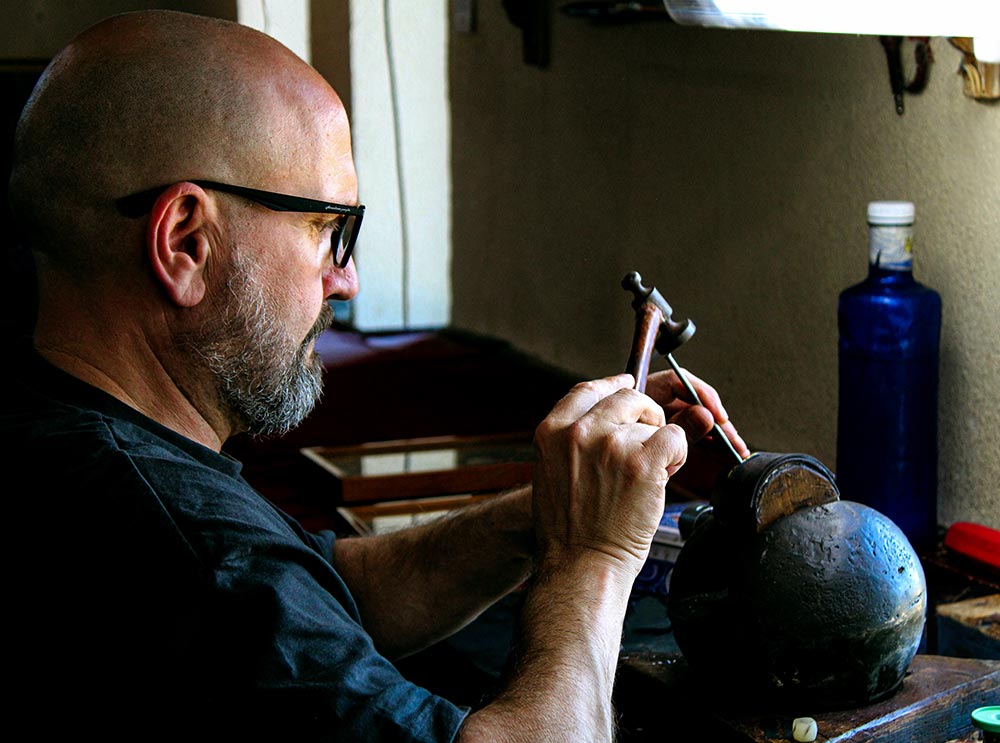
[{"x": 342, "y": 241}]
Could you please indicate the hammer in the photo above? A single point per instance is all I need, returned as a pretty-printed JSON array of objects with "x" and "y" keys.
[{"x": 656, "y": 330}]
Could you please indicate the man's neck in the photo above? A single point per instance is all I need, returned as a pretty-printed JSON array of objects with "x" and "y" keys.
[{"x": 146, "y": 386}]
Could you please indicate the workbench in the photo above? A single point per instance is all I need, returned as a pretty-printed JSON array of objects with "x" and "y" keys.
[{"x": 658, "y": 700}]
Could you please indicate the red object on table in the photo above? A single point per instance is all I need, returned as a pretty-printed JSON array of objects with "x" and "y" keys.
[{"x": 974, "y": 541}]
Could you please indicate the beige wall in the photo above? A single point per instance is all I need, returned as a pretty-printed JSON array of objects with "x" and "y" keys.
[
  {"x": 732, "y": 169},
  {"x": 40, "y": 28},
  {"x": 330, "y": 39}
]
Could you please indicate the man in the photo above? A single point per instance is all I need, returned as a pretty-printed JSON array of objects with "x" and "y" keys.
[{"x": 181, "y": 289}]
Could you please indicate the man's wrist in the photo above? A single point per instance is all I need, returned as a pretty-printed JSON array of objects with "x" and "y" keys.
[{"x": 596, "y": 568}]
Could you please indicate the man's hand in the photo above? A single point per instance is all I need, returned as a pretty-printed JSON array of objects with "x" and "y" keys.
[
  {"x": 696, "y": 420},
  {"x": 604, "y": 455}
]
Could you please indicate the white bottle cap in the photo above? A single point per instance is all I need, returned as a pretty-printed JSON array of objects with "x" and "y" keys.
[
  {"x": 986, "y": 48},
  {"x": 890, "y": 212}
]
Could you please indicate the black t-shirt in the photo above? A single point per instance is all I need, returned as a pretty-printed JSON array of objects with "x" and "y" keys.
[{"x": 155, "y": 594}]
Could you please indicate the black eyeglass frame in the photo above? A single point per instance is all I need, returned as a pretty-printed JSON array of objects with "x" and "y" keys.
[{"x": 138, "y": 204}]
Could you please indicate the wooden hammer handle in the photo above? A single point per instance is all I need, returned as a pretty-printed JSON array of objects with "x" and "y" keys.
[{"x": 647, "y": 326}]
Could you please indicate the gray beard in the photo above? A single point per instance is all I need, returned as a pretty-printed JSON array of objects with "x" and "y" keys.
[{"x": 266, "y": 382}]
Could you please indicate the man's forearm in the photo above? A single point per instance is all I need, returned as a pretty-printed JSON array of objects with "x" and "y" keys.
[
  {"x": 565, "y": 661},
  {"x": 419, "y": 585}
]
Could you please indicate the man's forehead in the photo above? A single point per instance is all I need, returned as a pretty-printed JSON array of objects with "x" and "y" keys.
[{"x": 314, "y": 153}]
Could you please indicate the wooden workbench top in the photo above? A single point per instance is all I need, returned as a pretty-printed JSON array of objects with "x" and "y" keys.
[{"x": 657, "y": 700}]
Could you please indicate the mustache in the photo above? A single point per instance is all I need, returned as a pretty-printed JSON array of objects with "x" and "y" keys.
[{"x": 324, "y": 321}]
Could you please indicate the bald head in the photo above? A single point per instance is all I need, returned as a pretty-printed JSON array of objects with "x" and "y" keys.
[{"x": 151, "y": 98}]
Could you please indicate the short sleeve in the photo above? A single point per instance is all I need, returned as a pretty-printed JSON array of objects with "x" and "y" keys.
[
  {"x": 322, "y": 542},
  {"x": 284, "y": 618}
]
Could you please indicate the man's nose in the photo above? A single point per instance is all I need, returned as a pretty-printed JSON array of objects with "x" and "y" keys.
[{"x": 341, "y": 283}]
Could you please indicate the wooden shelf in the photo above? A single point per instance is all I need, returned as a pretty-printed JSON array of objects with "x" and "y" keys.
[{"x": 425, "y": 467}]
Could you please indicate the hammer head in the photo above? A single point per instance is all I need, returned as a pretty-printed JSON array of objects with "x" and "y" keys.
[{"x": 673, "y": 333}]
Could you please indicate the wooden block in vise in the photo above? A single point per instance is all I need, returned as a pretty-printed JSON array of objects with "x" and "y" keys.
[{"x": 769, "y": 486}]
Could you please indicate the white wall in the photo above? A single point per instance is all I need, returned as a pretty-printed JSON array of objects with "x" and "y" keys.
[
  {"x": 285, "y": 20},
  {"x": 400, "y": 119},
  {"x": 401, "y": 134}
]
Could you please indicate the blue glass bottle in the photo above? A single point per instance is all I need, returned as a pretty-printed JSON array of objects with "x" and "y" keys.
[{"x": 890, "y": 328}]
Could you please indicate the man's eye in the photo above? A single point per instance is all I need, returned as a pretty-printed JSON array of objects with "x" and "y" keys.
[{"x": 327, "y": 227}]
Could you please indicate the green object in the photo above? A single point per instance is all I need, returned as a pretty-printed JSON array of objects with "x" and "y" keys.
[{"x": 987, "y": 719}]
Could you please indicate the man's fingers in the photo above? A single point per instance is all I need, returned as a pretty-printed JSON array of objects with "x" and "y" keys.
[
  {"x": 695, "y": 420},
  {"x": 738, "y": 443},
  {"x": 627, "y": 406},
  {"x": 655, "y": 452},
  {"x": 666, "y": 387},
  {"x": 585, "y": 396},
  {"x": 611, "y": 400},
  {"x": 669, "y": 445},
  {"x": 697, "y": 423}
]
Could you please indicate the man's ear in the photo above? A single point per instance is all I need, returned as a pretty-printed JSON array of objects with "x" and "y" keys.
[{"x": 179, "y": 242}]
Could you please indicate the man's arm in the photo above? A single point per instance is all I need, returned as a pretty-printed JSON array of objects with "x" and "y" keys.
[
  {"x": 419, "y": 585},
  {"x": 416, "y": 586},
  {"x": 565, "y": 659},
  {"x": 604, "y": 456}
]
